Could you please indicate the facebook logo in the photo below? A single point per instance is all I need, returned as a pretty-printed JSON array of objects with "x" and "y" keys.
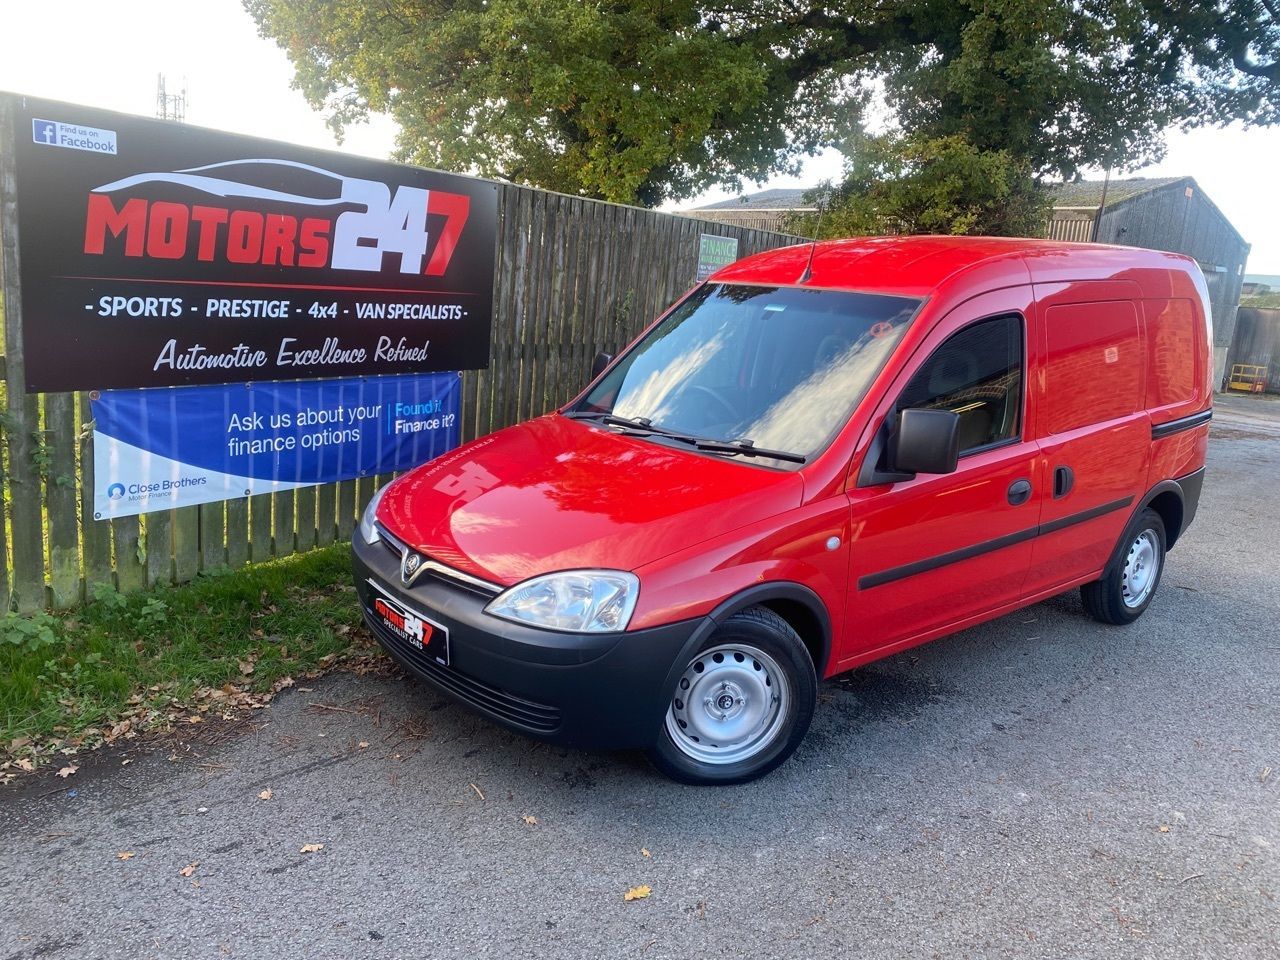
[
  {"x": 73, "y": 136},
  {"x": 44, "y": 131}
]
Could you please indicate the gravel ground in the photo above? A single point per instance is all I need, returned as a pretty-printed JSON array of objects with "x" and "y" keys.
[{"x": 1041, "y": 786}]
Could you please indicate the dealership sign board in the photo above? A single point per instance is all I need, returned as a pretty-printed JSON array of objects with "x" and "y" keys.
[
  {"x": 165, "y": 448},
  {"x": 157, "y": 254},
  {"x": 714, "y": 252}
]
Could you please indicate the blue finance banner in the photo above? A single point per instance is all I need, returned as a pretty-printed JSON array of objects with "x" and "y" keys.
[{"x": 172, "y": 447}]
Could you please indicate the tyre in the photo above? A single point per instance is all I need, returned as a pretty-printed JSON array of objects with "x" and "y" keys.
[
  {"x": 742, "y": 704},
  {"x": 1129, "y": 583}
]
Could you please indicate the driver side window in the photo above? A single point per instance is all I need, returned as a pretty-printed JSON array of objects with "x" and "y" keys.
[{"x": 977, "y": 373}]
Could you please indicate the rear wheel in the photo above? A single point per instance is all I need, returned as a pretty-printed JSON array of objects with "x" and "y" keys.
[
  {"x": 1129, "y": 583},
  {"x": 742, "y": 704}
]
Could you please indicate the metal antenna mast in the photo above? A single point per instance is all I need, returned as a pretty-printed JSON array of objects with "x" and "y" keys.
[
  {"x": 817, "y": 232},
  {"x": 170, "y": 106}
]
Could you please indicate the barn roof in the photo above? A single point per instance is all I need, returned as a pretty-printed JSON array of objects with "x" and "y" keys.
[
  {"x": 776, "y": 199},
  {"x": 1088, "y": 193}
]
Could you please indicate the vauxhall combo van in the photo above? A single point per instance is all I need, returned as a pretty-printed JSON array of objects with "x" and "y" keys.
[{"x": 823, "y": 455}]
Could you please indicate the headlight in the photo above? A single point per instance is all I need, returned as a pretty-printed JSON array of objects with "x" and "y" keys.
[
  {"x": 367, "y": 530},
  {"x": 579, "y": 601}
]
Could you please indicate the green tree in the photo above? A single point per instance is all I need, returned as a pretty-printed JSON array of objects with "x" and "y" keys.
[
  {"x": 899, "y": 183},
  {"x": 648, "y": 100}
]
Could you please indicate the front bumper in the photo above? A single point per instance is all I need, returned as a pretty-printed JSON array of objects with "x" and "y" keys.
[{"x": 585, "y": 690}]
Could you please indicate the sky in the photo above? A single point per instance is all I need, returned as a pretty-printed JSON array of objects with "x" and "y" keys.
[{"x": 108, "y": 54}]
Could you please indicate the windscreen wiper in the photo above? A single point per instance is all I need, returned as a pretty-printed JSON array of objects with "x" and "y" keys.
[
  {"x": 746, "y": 448},
  {"x": 635, "y": 426},
  {"x": 644, "y": 427},
  {"x": 749, "y": 449}
]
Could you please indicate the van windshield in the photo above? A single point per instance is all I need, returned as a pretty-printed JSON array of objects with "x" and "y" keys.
[{"x": 749, "y": 370}]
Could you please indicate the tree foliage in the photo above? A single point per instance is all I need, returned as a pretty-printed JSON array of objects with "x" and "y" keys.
[
  {"x": 919, "y": 184},
  {"x": 648, "y": 100}
]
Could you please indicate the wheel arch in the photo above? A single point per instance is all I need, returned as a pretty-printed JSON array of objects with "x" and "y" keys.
[
  {"x": 795, "y": 603},
  {"x": 1167, "y": 499}
]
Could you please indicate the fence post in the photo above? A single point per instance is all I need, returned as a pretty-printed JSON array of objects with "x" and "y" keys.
[
  {"x": 22, "y": 418},
  {"x": 95, "y": 533},
  {"x": 61, "y": 501}
]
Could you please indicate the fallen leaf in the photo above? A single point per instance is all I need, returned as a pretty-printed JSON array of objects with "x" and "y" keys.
[
  {"x": 190, "y": 868},
  {"x": 67, "y": 771},
  {"x": 644, "y": 852},
  {"x": 195, "y": 719},
  {"x": 125, "y": 855},
  {"x": 266, "y": 794},
  {"x": 311, "y": 848},
  {"x": 125, "y": 763},
  {"x": 530, "y": 820},
  {"x": 1164, "y": 828},
  {"x": 363, "y": 744},
  {"x": 637, "y": 893},
  {"x": 246, "y": 667},
  {"x": 25, "y": 764}
]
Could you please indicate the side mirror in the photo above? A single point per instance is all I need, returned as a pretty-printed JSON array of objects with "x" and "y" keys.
[
  {"x": 601, "y": 361},
  {"x": 927, "y": 441}
]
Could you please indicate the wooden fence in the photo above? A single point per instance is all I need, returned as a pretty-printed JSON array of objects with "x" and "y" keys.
[{"x": 574, "y": 277}]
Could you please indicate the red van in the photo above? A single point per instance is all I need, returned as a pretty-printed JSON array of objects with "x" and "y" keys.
[{"x": 823, "y": 455}]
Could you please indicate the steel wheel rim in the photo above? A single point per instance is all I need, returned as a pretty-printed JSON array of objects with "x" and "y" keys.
[
  {"x": 730, "y": 704},
  {"x": 1141, "y": 566}
]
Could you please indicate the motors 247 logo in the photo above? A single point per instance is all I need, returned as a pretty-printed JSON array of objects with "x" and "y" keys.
[{"x": 226, "y": 233}]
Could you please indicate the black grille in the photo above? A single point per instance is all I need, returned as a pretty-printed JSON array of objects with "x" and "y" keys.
[{"x": 525, "y": 713}]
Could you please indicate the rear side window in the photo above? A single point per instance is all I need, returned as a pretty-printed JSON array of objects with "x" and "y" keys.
[
  {"x": 1093, "y": 368},
  {"x": 977, "y": 374},
  {"x": 1171, "y": 366}
]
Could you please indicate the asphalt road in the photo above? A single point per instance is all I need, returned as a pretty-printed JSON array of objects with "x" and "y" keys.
[{"x": 1042, "y": 786}]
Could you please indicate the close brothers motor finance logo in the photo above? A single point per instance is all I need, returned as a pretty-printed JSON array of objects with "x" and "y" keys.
[
  {"x": 115, "y": 491},
  {"x": 223, "y": 233}
]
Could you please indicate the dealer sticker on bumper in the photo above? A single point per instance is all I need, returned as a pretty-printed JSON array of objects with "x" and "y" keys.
[{"x": 413, "y": 628}]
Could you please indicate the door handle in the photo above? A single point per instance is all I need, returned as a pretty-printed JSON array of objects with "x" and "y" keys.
[
  {"x": 1019, "y": 492},
  {"x": 1063, "y": 481}
]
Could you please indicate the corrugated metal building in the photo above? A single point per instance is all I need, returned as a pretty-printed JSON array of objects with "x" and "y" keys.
[
  {"x": 1160, "y": 213},
  {"x": 1257, "y": 348}
]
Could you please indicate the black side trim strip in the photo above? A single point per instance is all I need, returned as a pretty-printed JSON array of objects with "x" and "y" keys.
[
  {"x": 1085, "y": 515},
  {"x": 987, "y": 546},
  {"x": 942, "y": 559},
  {"x": 1161, "y": 430}
]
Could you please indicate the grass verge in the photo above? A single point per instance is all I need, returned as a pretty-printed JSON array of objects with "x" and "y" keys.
[{"x": 127, "y": 664}]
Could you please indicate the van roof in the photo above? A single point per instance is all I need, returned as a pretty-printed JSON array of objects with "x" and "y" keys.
[{"x": 919, "y": 265}]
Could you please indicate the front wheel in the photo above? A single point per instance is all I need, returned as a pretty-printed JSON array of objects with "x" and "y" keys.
[
  {"x": 742, "y": 704},
  {"x": 1129, "y": 583}
]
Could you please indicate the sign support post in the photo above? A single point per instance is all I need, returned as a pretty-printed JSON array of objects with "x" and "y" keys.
[{"x": 22, "y": 417}]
